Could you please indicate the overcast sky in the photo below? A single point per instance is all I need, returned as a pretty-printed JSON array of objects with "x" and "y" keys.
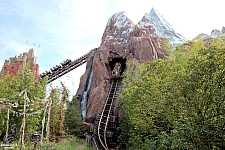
[{"x": 68, "y": 29}]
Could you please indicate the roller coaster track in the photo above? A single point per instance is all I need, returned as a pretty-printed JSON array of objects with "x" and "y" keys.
[
  {"x": 100, "y": 133},
  {"x": 63, "y": 68}
]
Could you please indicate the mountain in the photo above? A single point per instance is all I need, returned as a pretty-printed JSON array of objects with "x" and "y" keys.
[
  {"x": 163, "y": 28},
  {"x": 201, "y": 36},
  {"x": 117, "y": 23},
  {"x": 122, "y": 41},
  {"x": 214, "y": 34},
  {"x": 223, "y": 30}
]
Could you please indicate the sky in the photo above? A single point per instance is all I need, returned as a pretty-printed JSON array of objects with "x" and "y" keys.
[{"x": 67, "y": 29}]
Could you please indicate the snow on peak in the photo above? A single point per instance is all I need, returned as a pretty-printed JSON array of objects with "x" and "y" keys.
[
  {"x": 215, "y": 33},
  {"x": 146, "y": 21},
  {"x": 154, "y": 12},
  {"x": 120, "y": 19},
  {"x": 163, "y": 28},
  {"x": 201, "y": 36},
  {"x": 223, "y": 30},
  {"x": 159, "y": 21}
]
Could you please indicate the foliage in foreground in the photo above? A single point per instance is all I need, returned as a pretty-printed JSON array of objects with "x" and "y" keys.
[
  {"x": 73, "y": 119},
  {"x": 13, "y": 102},
  {"x": 9, "y": 91},
  {"x": 71, "y": 143},
  {"x": 177, "y": 103}
]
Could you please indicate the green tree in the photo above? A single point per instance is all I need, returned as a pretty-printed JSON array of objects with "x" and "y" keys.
[
  {"x": 204, "y": 98},
  {"x": 10, "y": 89},
  {"x": 73, "y": 119},
  {"x": 177, "y": 103}
]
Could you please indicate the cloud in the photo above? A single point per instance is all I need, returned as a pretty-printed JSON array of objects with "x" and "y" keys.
[
  {"x": 10, "y": 49},
  {"x": 71, "y": 28},
  {"x": 63, "y": 6},
  {"x": 2, "y": 8},
  {"x": 17, "y": 47},
  {"x": 77, "y": 52}
]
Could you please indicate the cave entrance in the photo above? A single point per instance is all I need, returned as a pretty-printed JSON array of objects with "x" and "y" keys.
[{"x": 115, "y": 61}]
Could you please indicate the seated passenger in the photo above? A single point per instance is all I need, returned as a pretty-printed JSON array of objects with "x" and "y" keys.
[{"x": 116, "y": 70}]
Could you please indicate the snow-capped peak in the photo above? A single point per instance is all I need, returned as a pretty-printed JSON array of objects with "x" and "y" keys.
[
  {"x": 215, "y": 33},
  {"x": 120, "y": 19},
  {"x": 223, "y": 30},
  {"x": 163, "y": 28},
  {"x": 154, "y": 12},
  {"x": 159, "y": 20},
  {"x": 146, "y": 21}
]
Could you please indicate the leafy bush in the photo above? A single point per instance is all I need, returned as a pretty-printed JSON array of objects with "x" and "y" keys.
[{"x": 177, "y": 103}]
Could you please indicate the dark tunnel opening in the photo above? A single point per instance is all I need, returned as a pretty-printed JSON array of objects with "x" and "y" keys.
[{"x": 119, "y": 60}]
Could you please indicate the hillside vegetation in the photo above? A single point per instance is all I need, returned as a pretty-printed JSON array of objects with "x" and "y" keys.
[
  {"x": 24, "y": 104},
  {"x": 177, "y": 103}
]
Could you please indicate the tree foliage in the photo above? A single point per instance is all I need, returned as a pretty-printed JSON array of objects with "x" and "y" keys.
[
  {"x": 73, "y": 119},
  {"x": 10, "y": 88},
  {"x": 177, "y": 103}
]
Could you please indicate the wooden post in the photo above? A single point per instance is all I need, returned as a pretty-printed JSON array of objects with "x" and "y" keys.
[
  {"x": 35, "y": 146},
  {"x": 24, "y": 120},
  {"x": 7, "y": 125},
  {"x": 49, "y": 114},
  {"x": 43, "y": 121}
]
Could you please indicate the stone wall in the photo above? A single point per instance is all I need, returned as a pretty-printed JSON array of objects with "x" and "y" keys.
[{"x": 14, "y": 64}]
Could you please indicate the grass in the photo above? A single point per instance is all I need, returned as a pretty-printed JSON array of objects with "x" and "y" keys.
[{"x": 70, "y": 143}]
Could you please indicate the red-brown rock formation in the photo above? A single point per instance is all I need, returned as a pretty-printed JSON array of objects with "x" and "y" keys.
[{"x": 123, "y": 40}]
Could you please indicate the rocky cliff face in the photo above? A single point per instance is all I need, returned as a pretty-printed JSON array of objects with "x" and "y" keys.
[{"x": 122, "y": 40}]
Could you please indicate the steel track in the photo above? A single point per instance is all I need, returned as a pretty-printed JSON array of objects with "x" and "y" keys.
[
  {"x": 101, "y": 136},
  {"x": 63, "y": 68}
]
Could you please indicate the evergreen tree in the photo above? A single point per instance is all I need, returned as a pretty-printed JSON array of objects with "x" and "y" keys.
[{"x": 73, "y": 119}]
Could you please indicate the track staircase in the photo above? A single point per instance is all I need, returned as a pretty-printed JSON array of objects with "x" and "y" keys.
[{"x": 102, "y": 136}]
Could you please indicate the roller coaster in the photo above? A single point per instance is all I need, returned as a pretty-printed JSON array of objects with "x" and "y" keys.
[
  {"x": 104, "y": 128},
  {"x": 103, "y": 135},
  {"x": 63, "y": 68}
]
